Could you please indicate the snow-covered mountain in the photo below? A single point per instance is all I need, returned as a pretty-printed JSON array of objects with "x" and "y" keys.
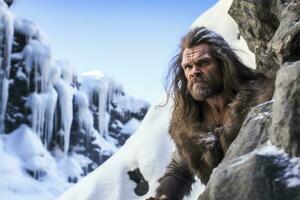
[
  {"x": 55, "y": 126},
  {"x": 132, "y": 172}
]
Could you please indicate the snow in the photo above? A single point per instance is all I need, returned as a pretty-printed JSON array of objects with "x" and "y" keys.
[
  {"x": 20, "y": 152},
  {"x": 110, "y": 181},
  {"x": 70, "y": 168},
  {"x": 27, "y": 146},
  {"x": 292, "y": 174},
  {"x": 97, "y": 74},
  {"x": 131, "y": 126}
]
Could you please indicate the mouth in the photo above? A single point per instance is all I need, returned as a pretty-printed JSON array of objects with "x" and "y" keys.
[
  {"x": 194, "y": 81},
  {"x": 199, "y": 82}
]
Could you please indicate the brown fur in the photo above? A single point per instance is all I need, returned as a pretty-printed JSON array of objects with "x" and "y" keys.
[{"x": 193, "y": 160}]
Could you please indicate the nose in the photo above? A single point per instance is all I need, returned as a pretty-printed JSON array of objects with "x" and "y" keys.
[{"x": 196, "y": 71}]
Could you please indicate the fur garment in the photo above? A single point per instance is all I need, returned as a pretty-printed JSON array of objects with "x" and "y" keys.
[{"x": 191, "y": 158}]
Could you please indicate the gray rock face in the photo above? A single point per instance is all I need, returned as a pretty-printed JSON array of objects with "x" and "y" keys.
[
  {"x": 285, "y": 129},
  {"x": 264, "y": 174},
  {"x": 271, "y": 29},
  {"x": 253, "y": 168}
]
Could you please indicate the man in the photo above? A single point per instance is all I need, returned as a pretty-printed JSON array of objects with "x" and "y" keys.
[{"x": 213, "y": 91}]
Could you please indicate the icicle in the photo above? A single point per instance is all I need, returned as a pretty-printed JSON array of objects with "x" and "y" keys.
[
  {"x": 6, "y": 35},
  {"x": 102, "y": 109},
  {"x": 43, "y": 107},
  {"x": 65, "y": 93},
  {"x": 85, "y": 116},
  {"x": 50, "y": 109},
  {"x": 96, "y": 83},
  {"x": 4, "y": 98},
  {"x": 37, "y": 57}
]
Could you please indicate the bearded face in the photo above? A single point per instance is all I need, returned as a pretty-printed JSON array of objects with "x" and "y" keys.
[
  {"x": 205, "y": 86},
  {"x": 204, "y": 78}
]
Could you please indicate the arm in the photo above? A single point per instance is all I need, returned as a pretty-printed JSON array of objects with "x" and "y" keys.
[{"x": 177, "y": 181}]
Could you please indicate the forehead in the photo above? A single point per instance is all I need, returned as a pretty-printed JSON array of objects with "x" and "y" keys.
[{"x": 196, "y": 52}]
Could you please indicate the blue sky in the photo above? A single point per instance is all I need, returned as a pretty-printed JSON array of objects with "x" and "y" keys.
[{"x": 131, "y": 41}]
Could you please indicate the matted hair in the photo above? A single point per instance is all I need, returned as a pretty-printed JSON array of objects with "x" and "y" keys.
[{"x": 234, "y": 72}]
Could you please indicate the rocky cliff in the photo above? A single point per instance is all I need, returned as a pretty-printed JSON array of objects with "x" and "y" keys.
[{"x": 263, "y": 162}]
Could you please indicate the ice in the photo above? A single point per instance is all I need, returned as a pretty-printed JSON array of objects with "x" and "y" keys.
[
  {"x": 6, "y": 38},
  {"x": 38, "y": 58},
  {"x": 43, "y": 107},
  {"x": 65, "y": 93},
  {"x": 30, "y": 30},
  {"x": 68, "y": 73},
  {"x": 96, "y": 86},
  {"x": 85, "y": 117}
]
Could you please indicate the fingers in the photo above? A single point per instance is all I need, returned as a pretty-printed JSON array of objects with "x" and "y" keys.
[{"x": 218, "y": 131}]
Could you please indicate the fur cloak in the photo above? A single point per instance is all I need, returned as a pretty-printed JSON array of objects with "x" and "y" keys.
[{"x": 190, "y": 159}]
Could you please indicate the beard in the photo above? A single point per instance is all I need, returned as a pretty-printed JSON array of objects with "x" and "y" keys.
[{"x": 202, "y": 89}]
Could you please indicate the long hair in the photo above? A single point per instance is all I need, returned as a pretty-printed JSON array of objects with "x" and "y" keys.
[{"x": 234, "y": 72}]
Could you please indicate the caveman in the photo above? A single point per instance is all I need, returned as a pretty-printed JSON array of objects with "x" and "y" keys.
[{"x": 213, "y": 91}]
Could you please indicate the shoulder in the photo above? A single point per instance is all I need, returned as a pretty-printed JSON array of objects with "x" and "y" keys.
[
  {"x": 252, "y": 93},
  {"x": 263, "y": 89}
]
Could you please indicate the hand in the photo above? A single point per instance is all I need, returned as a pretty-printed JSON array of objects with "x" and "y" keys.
[
  {"x": 218, "y": 131},
  {"x": 205, "y": 141},
  {"x": 162, "y": 197}
]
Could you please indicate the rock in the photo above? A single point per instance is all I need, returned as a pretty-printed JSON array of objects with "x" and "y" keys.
[
  {"x": 252, "y": 135},
  {"x": 264, "y": 174},
  {"x": 285, "y": 129},
  {"x": 271, "y": 29},
  {"x": 257, "y": 24}
]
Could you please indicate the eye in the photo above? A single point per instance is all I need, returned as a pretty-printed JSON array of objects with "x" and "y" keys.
[
  {"x": 202, "y": 63},
  {"x": 187, "y": 67}
]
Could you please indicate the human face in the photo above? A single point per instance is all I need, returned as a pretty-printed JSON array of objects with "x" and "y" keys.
[{"x": 204, "y": 78}]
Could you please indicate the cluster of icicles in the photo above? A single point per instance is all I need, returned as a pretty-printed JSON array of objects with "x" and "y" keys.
[{"x": 54, "y": 85}]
